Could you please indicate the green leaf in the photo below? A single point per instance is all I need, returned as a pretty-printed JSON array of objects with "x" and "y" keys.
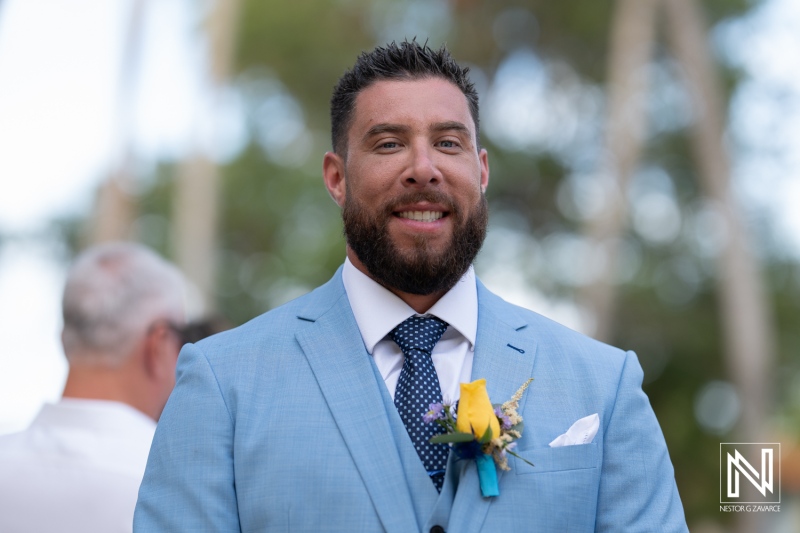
[
  {"x": 487, "y": 436},
  {"x": 447, "y": 438}
]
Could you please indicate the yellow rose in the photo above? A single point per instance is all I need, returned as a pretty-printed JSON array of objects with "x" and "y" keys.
[{"x": 475, "y": 411}]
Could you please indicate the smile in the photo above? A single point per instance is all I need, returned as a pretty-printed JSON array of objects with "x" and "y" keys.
[{"x": 421, "y": 216}]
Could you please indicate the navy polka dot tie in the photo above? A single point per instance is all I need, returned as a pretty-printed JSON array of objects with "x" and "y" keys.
[{"x": 418, "y": 387}]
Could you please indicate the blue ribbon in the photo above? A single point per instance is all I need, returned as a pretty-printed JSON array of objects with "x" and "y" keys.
[{"x": 487, "y": 475}]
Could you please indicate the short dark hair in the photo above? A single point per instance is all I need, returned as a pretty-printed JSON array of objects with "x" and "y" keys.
[{"x": 407, "y": 60}]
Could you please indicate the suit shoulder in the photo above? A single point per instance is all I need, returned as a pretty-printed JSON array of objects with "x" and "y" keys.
[
  {"x": 570, "y": 356},
  {"x": 553, "y": 335},
  {"x": 554, "y": 331},
  {"x": 278, "y": 325}
]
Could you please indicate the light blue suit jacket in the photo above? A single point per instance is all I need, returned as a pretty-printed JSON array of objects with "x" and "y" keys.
[{"x": 284, "y": 424}]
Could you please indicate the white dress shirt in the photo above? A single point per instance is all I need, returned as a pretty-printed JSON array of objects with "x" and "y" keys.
[
  {"x": 378, "y": 311},
  {"x": 77, "y": 468}
]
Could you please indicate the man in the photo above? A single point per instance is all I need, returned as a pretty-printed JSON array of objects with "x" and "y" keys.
[
  {"x": 78, "y": 467},
  {"x": 308, "y": 418}
]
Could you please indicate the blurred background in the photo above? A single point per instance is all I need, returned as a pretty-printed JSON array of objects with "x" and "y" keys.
[{"x": 645, "y": 176}]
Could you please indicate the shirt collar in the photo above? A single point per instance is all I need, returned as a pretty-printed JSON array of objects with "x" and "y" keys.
[{"x": 378, "y": 311}]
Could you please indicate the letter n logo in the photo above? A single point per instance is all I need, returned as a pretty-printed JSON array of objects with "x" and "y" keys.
[{"x": 750, "y": 472}]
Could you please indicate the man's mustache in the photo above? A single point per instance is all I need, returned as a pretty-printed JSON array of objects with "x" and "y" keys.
[{"x": 433, "y": 197}]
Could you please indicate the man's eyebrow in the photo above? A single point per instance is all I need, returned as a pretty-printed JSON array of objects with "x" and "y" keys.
[
  {"x": 450, "y": 125},
  {"x": 384, "y": 127}
]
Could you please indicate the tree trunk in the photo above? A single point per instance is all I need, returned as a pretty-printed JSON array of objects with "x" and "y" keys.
[
  {"x": 115, "y": 209},
  {"x": 632, "y": 38},
  {"x": 116, "y": 203},
  {"x": 195, "y": 207},
  {"x": 746, "y": 319},
  {"x": 747, "y": 324}
]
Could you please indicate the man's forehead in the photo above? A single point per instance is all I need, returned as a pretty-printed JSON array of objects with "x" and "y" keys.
[{"x": 393, "y": 100}]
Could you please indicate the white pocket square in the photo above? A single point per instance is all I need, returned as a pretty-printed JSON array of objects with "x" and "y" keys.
[{"x": 581, "y": 432}]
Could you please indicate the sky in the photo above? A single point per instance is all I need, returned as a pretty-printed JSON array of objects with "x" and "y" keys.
[{"x": 67, "y": 108}]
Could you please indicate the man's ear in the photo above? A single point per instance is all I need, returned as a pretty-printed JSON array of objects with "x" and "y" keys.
[
  {"x": 333, "y": 174},
  {"x": 484, "y": 162},
  {"x": 155, "y": 351}
]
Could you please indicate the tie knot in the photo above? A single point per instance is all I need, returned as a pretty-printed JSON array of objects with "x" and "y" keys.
[{"x": 418, "y": 333}]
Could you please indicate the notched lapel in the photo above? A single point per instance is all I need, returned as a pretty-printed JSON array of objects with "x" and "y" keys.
[
  {"x": 335, "y": 351},
  {"x": 504, "y": 353},
  {"x": 504, "y": 356}
]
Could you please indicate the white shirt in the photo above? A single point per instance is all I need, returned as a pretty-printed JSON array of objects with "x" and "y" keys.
[
  {"x": 77, "y": 468},
  {"x": 378, "y": 311}
]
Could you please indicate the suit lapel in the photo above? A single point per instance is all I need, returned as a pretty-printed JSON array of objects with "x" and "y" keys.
[
  {"x": 504, "y": 357},
  {"x": 502, "y": 354},
  {"x": 343, "y": 369}
]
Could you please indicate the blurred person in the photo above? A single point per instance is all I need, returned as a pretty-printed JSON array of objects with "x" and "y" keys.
[
  {"x": 78, "y": 467},
  {"x": 311, "y": 417}
]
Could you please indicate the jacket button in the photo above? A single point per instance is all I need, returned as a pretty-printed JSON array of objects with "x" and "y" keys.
[{"x": 437, "y": 529}]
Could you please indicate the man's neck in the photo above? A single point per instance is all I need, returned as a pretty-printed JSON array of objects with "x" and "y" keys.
[
  {"x": 99, "y": 382},
  {"x": 418, "y": 302}
]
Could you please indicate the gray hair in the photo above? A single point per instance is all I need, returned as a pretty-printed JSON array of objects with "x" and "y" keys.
[{"x": 113, "y": 293}]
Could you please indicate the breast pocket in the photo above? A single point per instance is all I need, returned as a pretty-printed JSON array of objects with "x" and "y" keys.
[{"x": 563, "y": 458}]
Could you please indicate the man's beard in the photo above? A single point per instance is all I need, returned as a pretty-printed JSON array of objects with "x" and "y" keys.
[{"x": 420, "y": 270}]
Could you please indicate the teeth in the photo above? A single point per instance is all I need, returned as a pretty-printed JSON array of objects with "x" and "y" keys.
[{"x": 422, "y": 216}]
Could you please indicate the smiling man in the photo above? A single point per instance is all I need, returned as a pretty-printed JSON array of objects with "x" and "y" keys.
[{"x": 310, "y": 417}]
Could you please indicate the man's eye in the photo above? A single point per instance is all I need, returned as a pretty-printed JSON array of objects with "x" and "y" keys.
[
  {"x": 389, "y": 145},
  {"x": 448, "y": 144}
]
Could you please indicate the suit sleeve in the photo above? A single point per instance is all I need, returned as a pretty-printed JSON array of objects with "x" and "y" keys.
[
  {"x": 637, "y": 486},
  {"x": 188, "y": 484}
]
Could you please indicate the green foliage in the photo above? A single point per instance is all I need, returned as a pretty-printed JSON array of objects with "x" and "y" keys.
[
  {"x": 679, "y": 350},
  {"x": 308, "y": 44},
  {"x": 153, "y": 227},
  {"x": 280, "y": 235},
  {"x": 448, "y": 438},
  {"x": 785, "y": 295}
]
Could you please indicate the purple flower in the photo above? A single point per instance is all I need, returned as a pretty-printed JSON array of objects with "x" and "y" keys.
[
  {"x": 505, "y": 422},
  {"x": 508, "y": 448},
  {"x": 436, "y": 412}
]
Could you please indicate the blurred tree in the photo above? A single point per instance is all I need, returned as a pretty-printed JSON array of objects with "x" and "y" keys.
[
  {"x": 115, "y": 206},
  {"x": 746, "y": 322},
  {"x": 632, "y": 43},
  {"x": 746, "y": 319},
  {"x": 195, "y": 208}
]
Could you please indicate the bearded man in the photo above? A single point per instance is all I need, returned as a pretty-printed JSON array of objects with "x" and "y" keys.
[{"x": 310, "y": 417}]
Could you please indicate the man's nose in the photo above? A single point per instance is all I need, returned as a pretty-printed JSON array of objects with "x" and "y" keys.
[{"x": 422, "y": 169}]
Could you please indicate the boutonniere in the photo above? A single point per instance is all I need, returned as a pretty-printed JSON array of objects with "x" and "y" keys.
[{"x": 481, "y": 431}]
